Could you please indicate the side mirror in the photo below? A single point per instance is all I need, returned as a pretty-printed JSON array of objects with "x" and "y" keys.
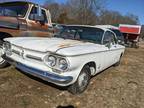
[
  {"x": 36, "y": 17},
  {"x": 108, "y": 44},
  {"x": 39, "y": 11},
  {"x": 39, "y": 18}
]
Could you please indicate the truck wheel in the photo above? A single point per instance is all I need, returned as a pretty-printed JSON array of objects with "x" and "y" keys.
[
  {"x": 3, "y": 63},
  {"x": 82, "y": 82}
]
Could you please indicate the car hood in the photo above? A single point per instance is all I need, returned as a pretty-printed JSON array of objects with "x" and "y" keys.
[{"x": 55, "y": 45}]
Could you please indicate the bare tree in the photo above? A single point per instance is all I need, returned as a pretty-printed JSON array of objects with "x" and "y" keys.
[
  {"x": 87, "y": 12},
  {"x": 54, "y": 9},
  {"x": 114, "y": 17}
]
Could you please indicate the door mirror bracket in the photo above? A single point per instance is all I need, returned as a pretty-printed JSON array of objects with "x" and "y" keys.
[{"x": 108, "y": 45}]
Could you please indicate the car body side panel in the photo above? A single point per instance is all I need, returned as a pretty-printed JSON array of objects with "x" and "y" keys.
[{"x": 9, "y": 22}]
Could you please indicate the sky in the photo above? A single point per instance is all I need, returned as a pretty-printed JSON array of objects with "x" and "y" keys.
[{"x": 135, "y": 7}]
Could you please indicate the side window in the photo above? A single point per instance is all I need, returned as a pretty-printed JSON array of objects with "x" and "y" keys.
[
  {"x": 45, "y": 16},
  {"x": 109, "y": 37},
  {"x": 34, "y": 11}
]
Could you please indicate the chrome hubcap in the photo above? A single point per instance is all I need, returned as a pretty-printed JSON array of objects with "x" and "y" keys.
[
  {"x": 1, "y": 59},
  {"x": 82, "y": 80}
]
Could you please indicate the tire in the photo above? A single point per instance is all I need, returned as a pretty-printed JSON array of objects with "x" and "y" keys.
[
  {"x": 82, "y": 82},
  {"x": 3, "y": 63}
]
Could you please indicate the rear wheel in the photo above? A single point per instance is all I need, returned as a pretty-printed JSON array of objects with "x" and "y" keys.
[
  {"x": 82, "y": 82},
  {"x": 3, "y": 63}
]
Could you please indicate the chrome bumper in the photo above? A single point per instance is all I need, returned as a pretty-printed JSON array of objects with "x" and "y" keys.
[{"x": 47, "y": 76}]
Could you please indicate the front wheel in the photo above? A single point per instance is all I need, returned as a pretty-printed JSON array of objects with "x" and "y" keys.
[
  {"x": 3, "y": 63},
  {"x": 82, "y": 82}
]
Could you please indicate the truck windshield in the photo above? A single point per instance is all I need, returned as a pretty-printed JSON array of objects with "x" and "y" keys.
[
  {"x": 88, "y": 34},
  {"x": 13, "y": 9}
]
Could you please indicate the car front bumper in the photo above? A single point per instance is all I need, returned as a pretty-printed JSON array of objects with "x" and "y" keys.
[{"x": 47, "y": 76}]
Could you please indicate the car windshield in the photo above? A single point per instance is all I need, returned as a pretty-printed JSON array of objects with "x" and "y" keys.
[
  {"x": 88, "y": 34},
  {"x": 13, "y": 9}
]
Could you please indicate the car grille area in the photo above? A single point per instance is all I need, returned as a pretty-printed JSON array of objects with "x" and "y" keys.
[{"x": 27, "y": 54}]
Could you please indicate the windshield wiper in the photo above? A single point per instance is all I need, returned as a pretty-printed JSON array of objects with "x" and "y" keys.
[{"x": 58, "y": 36}]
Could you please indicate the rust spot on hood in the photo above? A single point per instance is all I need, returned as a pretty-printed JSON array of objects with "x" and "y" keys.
[
  {"x": 64, "y": 45},
  {"x": 69, "y": 43}
]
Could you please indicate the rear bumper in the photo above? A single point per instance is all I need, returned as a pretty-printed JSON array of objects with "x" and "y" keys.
[{"x": 47, "y": 76}]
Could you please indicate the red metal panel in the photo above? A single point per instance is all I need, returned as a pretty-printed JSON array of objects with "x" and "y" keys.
[{"x": 131, "y": 30}]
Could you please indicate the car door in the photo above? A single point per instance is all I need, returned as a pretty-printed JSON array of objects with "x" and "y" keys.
[
  {"x": 37, "y": 28},
  {"x": 110, "y": 44}
]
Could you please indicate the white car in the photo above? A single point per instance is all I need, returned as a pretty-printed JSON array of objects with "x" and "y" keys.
[{"x": 67, "y": 59}]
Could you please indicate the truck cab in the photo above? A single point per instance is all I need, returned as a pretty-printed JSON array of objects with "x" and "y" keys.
[{"x": 21, "y": 18}]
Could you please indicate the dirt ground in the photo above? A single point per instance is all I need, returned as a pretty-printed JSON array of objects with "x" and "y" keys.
[{"x": 116, "y": 87}]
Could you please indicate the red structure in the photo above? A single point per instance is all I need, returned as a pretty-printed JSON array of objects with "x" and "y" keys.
[{"x": 131, "y": 34}]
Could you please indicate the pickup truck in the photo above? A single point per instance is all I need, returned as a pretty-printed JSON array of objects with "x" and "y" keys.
[
  {"x": 20, "y": 18},
  {"x": 67, "y": 59}
]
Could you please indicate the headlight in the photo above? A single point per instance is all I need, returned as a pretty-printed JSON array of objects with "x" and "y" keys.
[
  {"x": 56, "y": 62},
  {"x": 63, "y": 64},
  {"x": 7, "y": 48},
  {"x": 50, "y": 60}
]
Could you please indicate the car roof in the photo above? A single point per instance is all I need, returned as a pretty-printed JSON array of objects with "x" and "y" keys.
[
  {"x": 108, "y": 26},
  {"x": 113, "y": 29},
  {"x": 105, "y": 29}
]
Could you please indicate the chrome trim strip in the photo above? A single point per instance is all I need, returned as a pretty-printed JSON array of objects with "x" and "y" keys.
[
  {"x": 45, "y": 75},
  {"x": 34, "y": 57},
  {"x": 88, "y": 53},
  {"x": 16, "y": 52}
]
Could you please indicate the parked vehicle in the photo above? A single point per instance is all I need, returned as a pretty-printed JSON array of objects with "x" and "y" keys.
[
  {"x": 131, "y": 34},
  {"x": 119, "y": 35},
  {"x": 22, "y": 18},
  {"x": 58, "y": 27},
  {"x": 68, "y": 59},
  {"x": 116, "y": 30}
]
